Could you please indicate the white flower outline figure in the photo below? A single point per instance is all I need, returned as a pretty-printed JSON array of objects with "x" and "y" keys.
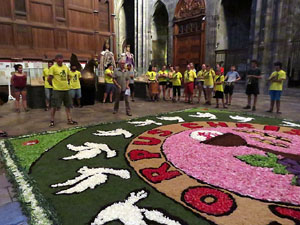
[
  {"x": 89, "y": 179},
  {"x": 90, "y": 150},
  {"x": 112, "y": 133},
  {"x": 241, "y": 119},
  {"x": 173, "y": 118},
  {"x": 144, "y": 123},
  {"x": 130, "y": 214},
  {"x": 204, "y": 115},
  {"x": 289, "y": 124}
]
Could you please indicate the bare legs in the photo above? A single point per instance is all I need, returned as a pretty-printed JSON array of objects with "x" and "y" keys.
[
  {"x": 277, "y": 106},
  {"x": 24, "y": 100},
  {"x": 163, "y": 89},
  {"x": 110, "y": 97},
  {"x": 208, "y": 95}
]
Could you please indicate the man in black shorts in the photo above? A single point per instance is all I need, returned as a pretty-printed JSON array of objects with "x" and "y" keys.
[{"x": 253, "y": 77}]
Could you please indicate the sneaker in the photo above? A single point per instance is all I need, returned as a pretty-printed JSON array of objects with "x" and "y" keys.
[
  {"x": 115, "y": 112},
  {"x": 269, "y": 111},
  {"x": 247, "y": 107},
  {"x": 128, "y": 114},
  {"x": 253, "y": 108}
]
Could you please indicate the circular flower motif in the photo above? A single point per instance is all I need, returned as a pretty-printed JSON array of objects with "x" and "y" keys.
[{"x": 203, "y": 135}]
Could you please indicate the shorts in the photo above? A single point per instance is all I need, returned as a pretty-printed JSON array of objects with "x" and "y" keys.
[
  {"x": 190, "y": 88},
  {"x": 211, "y": 87},
  {"x": 252, "y": 89},
  {"x": 48, "y": 93},
  {"x": 131, "y": 86},
  {"x": 169, "y": 85},
  {"x": 275, "y": 95},
  {"x": 109, "y": 88},
  {"x": 18, "y": 89},
  {"x": 163, "y": 83},
  {"x": 228, "y": 89},
  {"x": 219, "y": 94},
  {"x": 75, "y": 93},
  {"x": 59, "y": 97}
]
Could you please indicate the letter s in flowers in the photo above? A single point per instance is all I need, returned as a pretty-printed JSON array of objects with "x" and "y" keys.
[
  {"x": 130, "y": 214},
  {"x": 90, "y": 150},
  {"x": 90, "y": 178}
]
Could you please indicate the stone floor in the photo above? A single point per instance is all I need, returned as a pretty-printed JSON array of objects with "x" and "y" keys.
[{"x": 38, "y": 120}]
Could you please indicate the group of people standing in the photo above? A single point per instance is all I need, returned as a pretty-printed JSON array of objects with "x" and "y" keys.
[
  {"x": 206, "y": 81},
  {"x": 213, "y": 84}
]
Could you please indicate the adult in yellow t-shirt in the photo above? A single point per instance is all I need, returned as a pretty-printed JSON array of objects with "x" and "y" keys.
[
  {"x": 219, "y": 89},
  {"x": 277, "y": 78},
  {"x": 75, "y": 86},
  {"x": 189, "y": 79},
  {"x": 200, "y": 82},
  {"x": 47, "y": 86},
  {"x": 109, "y": 83},
  {"x": 162, "y": 79},
  {"x": 209, "y": 83},
  {"x": 153, "y": 85},
  {"x": 59, "y": 78},
  {"x": 176, "y": 81}
]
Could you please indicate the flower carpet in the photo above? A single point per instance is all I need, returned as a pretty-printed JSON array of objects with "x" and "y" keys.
[{"x": 191, "y": 167}]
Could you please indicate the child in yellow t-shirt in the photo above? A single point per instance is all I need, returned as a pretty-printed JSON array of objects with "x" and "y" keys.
[
  {"x": 109, "y": 83},
  {"x": 176, "y": 81},
  {"x": 277, "y": 78},
  {"x": 75, "y": 87},
  {"x": 219, "y": 90}
]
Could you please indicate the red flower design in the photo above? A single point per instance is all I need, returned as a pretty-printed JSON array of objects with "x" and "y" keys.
[
  {"x": 150, "y": 141},
  {"x": 286, "y": 213},
  {"x": 293, "y": 132},
  {"x": 162, "y": 133},
  {"x": 271, "y": 128},
  {"x": 210, "y": 201},
  {"x": 219, "y": 124},
  {"x": 244, "y": 125},
  {"x": 191, "y": 125},
  {"x": 157, "y": 175},
  {"x": 136, "y": 155},
  {"x": 32, "y": 142}
]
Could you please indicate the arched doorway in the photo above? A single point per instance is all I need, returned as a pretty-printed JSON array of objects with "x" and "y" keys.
[
  {"x": 126, "y": 26},
  {"x": 189, "y": 33},
  {"x": 235, "y": 48},
  {"x": 159, "y": 33}
]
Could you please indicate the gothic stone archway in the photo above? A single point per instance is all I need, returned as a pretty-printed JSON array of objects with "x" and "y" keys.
[{"x": 189, "y": 33}]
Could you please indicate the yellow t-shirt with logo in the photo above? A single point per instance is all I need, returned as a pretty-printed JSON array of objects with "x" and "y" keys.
[
  {"x": 176, "y": 80},
  {"x": 74, "y": 79},
  {"x": 46, "y": 75},
  {"x": 60, "y": 77},
  {"x": 108, "y": 79},
  {"x": 277, "y": 86},
  {"x": 200, "y": 75},
  {"x": 190, "y": 76},
  {"x": 209, "y": 78},
  {"x": 151, "y": 75},
  {"x": 162, "y": 79},
  {"x": 219, "y": 87}
]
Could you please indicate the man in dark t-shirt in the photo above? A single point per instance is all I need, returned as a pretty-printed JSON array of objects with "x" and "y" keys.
[{"x": 253, "y": 77}]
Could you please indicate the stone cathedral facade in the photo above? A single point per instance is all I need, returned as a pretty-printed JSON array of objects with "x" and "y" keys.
[{"x": 211, "y": 31}]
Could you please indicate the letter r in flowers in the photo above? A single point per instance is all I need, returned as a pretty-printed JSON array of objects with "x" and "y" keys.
[
  {"x": 130, "y": 214},
  {"x": 89, "y": 179},
  {"x": 112, "y": 133},
  {"x": 90, "y": 150}
]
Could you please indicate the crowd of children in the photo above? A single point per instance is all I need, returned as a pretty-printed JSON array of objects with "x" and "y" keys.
[{"x": 207, "y": 81}]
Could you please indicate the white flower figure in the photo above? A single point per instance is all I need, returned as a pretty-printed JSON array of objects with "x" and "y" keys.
[
  {"x": 204, "y": 115},
  {"x": 144, "y": 123},
  {"x": 90, "y": 178},
  {"x": 175, "y": 118},
  {"x": 112, "y": 133},
  {"x": 130, "y": 214},
  {"x": 241, "y": 119},
  {"x": 90, "y": 150},
  {"x": 290, "y": 124}
]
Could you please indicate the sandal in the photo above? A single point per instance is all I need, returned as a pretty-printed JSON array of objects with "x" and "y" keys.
[
  {"x": 72, "y": 122},
  {"x": 51, "y": 124}
]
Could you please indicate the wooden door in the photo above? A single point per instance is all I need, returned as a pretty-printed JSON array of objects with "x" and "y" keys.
[{"x": 189, "y": 33}]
